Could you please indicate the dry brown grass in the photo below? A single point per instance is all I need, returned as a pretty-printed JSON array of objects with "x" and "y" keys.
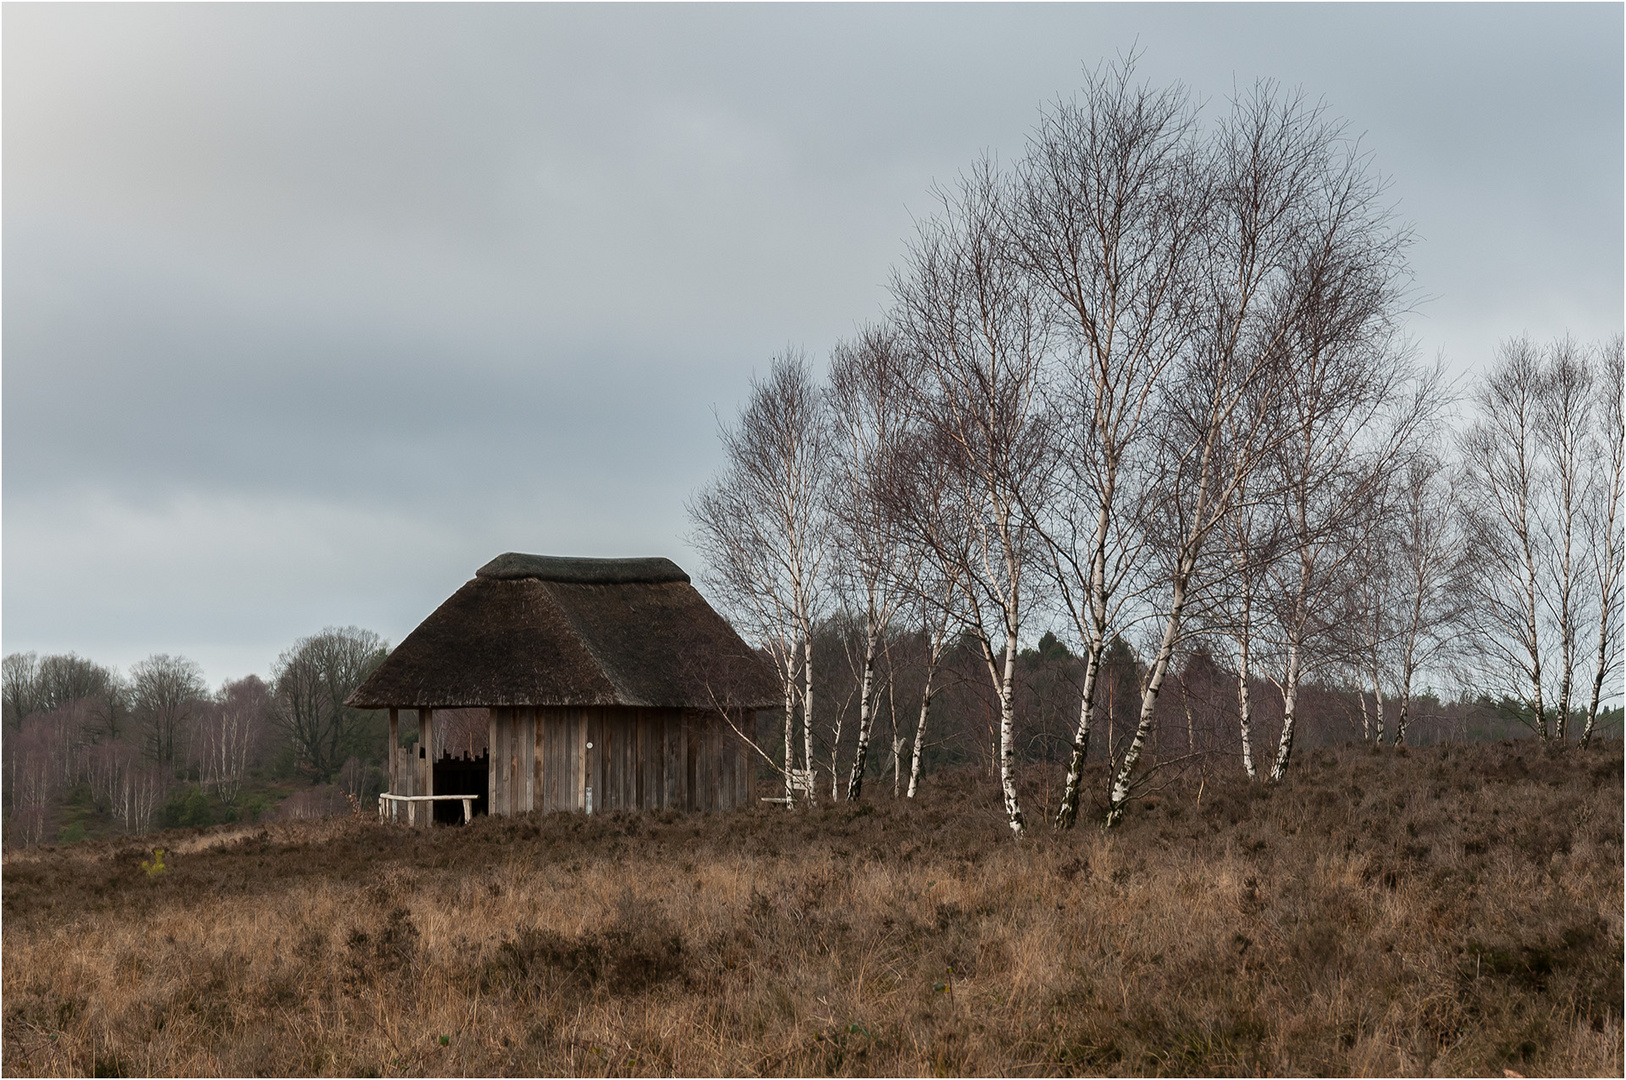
[{"x": 1454, "y": 910}]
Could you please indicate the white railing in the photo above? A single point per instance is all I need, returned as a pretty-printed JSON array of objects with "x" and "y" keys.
[
  {"x": 801, "y": 786},
  {"x": 412, "y": 802}
]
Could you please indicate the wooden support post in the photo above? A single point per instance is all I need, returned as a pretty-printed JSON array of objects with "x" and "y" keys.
[
  {"x": 491, "y": 762},
  {"x": 502, "y": 753},
  {"x": 394, "y": 754},
  {"x": 426, "y": 755}
]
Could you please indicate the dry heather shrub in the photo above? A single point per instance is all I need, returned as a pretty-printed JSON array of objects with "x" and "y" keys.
[{"x": 1454, "y": 910}]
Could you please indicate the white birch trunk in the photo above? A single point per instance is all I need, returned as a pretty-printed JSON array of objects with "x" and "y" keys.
[
  {"x": 1148, "y": 703},
  {"x": 1095, "y": 645},
  {"x": 1067, "y": 812},
  {"x": 807, "y": 709},
  {"x": 920, "y": 729},
  {"x": 1290, "y": 697},
  {"x": 1244, "y": 699},
  {"x": 790, "y": 725},
  {"x": 1378, "y": 706},
  {"x": 1007, "y": 738},
  {"x": 866, "y": 718},
  {"x": 1600, "y": 667}
]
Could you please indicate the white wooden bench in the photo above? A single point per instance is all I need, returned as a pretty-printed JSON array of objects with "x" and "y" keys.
[{"x": 412, "y": 802}]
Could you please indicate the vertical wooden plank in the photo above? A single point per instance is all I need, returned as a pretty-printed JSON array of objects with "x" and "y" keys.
[
  {"x": 693, "y": 742},
  {"x": 595, "y": 757},
  {"x": 547, "y": 720},
  {"x": 491, "y": 762},
  {"x": 581, "y": 741},
  {"x": 426, "y": 751},
  {"x": 499, "y": 732},
  {"x": 510, "y": 731},
  {"x": 395, "y": 758},
  {"x": 527, "y": 743},
  {"x": 635, "y": 758},
  {"x": 547, "y": 727},
  {"x": 627, "y": 740},
  {"x": 605, "y": 744},
  {"x": 509, "y": 741},
  {"x": 617, "y": 783},
  {"x": 657, "y": 733},
  {"x": 680, "y": 763},
  {"x": 709, "y": 762},
  {"x": 751, "y": 792},
  {"x": 731, "y": 769},
  {"x": 646, "y": 738},
  {"x": 558, "y": 760},
  {"x": 669, "y": 741}
]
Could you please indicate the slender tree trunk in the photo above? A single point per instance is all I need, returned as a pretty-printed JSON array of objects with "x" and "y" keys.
[
  {"x": 1377, "y": 704},
  {"x": 1007, "y": 738},
  {"x": 1566, "y": 637},
  {"x": 1191, "y": 724},
  {"x": 1608, "y": 567},
  {"x": 790, "y": 725},
  {"x": 866, "y": 719},
  {"x": 807, "y": 710},
  {"x": 1095, "y": 645},
  {"x": 1154, "y": 683},
  {"x": 1366, "y": 716},
  {"x": 1290, "y": 697},
  {"x": 920, "y": 728},
  {"x": 897, "y": 736},
  {"x": 1601, "y": 664},
  {"x": 1244, "y": 692},
  {"x": 1533, "y": 646},
  {"x": 1067, "y": 813},
  {"x": 1408, "y": 671}
]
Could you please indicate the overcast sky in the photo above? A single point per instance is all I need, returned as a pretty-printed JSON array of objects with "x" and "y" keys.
[{"x": 310, "y": 310}]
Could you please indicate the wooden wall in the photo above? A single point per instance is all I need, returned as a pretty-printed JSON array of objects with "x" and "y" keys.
[{"x": 640, "y": 759}]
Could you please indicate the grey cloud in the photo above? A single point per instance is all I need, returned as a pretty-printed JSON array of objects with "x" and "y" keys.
[{"x": 279, "y": 270}]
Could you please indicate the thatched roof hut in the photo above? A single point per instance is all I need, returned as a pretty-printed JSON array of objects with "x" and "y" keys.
[{"x": 619, "y": 656}]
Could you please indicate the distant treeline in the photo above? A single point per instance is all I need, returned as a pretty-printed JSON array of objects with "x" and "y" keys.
[{"x": 88, "y": 749}]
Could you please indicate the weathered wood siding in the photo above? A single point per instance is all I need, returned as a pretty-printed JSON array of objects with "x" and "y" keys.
[{"x": 640, "y": 759}]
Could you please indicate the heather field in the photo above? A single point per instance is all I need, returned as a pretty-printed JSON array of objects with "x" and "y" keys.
[{"x": 1450, "y": 910}]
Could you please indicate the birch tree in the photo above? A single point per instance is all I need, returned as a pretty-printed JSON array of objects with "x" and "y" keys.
[
  {"x": 1565, "y": 424},
  {"x": 1429, "y": 570},
  {"x": 1505, "y": 482},
  {"x": 762, "y": 526},
  {"x": 977, "y": 326},
  {"x": 1294, "y": 209},
  {"x": 230, "y": 733},
  {"x": 1107, "y": 208},
  {"x": 867, "y": 396},
  {"x": 934, "y": 527},
  {"x": 1602, "y": 517},
  {"x": 1346, "y": 422}
]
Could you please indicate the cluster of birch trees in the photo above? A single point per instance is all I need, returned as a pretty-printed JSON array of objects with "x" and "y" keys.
[
  {"x": 1148, "y": 383},
  {"x": 131, "y": 737}
]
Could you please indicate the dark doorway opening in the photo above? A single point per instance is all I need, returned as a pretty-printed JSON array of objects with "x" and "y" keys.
[{"x": 466, "y": 775}]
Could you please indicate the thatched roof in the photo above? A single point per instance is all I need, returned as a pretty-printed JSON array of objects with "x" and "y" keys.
[{"x": 539, "y": 630}]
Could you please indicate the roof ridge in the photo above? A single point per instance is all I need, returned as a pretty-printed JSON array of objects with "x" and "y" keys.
[{"x": 568, "y": 570}]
